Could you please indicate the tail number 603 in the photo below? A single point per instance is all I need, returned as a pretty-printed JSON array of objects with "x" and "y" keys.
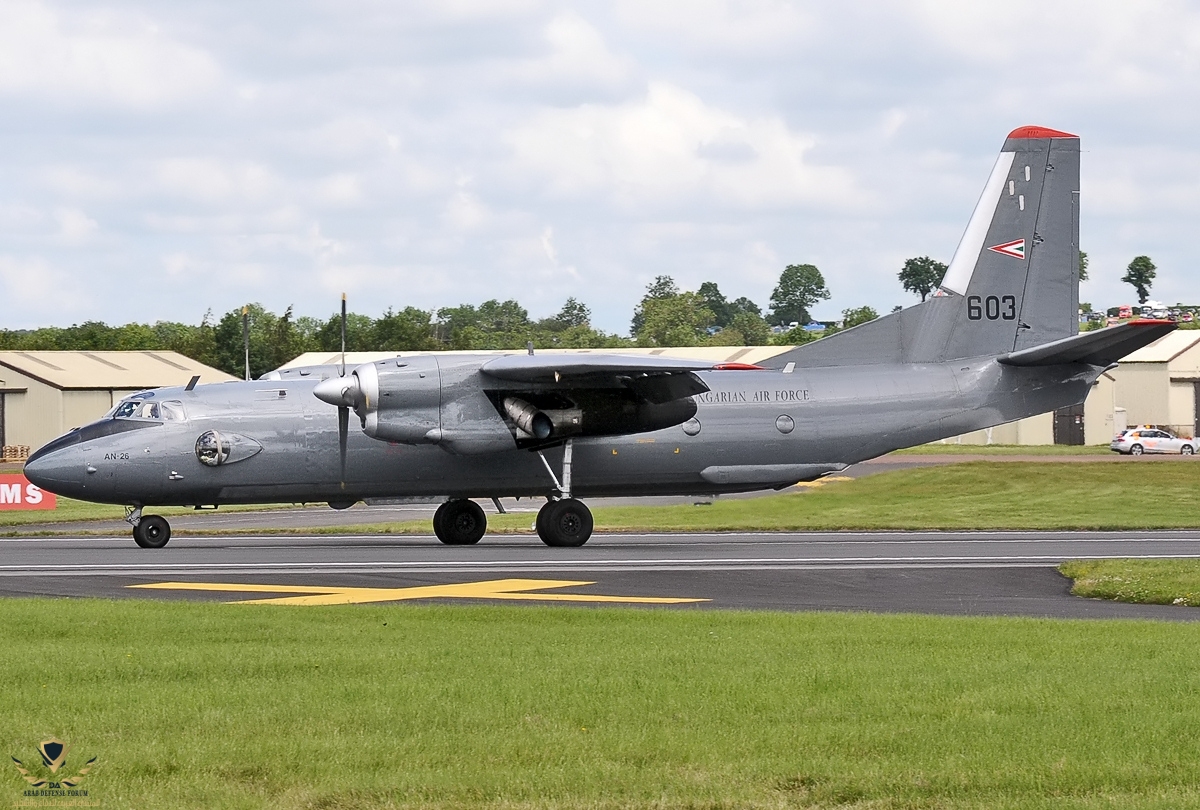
[{"x": 993, "y": 308}]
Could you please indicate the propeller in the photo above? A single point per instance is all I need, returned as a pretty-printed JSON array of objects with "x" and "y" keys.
[{"x": 343, "y": 410}]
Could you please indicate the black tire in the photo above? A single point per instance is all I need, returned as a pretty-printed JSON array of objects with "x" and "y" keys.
[
  {"x": 462, "y": 523},
  {"x": 152, "y": 531},
  {"x": 566, "y": 523},
  {"x": 1136, "y": 450},
  {"x": 437, "y": 521},
  {"x": 1186, "y": 450}
]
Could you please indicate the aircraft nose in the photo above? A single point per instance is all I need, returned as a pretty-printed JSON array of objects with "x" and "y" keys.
[{"x": 57, "y": 469}]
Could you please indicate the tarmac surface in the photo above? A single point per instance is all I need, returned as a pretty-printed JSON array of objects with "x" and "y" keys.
[{"x": 954, "y": 573}]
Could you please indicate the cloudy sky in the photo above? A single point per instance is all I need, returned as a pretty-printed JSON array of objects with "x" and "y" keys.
[{"x": 158, "y": 160}]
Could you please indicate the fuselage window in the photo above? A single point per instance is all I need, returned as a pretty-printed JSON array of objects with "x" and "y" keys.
[{"x": 173, "y": 411}]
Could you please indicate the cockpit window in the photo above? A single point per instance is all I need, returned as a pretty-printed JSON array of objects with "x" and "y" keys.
[{"x": 136, "y": 409}]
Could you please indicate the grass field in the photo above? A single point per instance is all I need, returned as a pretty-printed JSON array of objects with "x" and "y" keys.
[
  {"x": 974, "y": 495},
  {"x": 1150, "y": 582},
  {"x": 208, "y": 705}
]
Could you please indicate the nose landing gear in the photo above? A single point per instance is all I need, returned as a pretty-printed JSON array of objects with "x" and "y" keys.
[{"x": 150, "y": 531}]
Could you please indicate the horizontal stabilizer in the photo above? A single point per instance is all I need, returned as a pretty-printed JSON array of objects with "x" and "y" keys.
[{"x": 1102, "y": 347}]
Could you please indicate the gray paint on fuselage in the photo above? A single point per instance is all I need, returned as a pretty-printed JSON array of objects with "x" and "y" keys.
[{"x": 842, "y": 415}]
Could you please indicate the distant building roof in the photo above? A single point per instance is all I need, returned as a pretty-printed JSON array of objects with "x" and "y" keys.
[
  {"x": 1166, "y": 348},
  {"x": 717, "y": 354},
  {"x": 105, "y": 370}
]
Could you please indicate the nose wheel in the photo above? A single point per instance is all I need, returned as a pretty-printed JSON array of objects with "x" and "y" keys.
[{"x": 152, "y": 531}]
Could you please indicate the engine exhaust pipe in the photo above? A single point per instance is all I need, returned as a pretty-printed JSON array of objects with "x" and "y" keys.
[{"x": 528, "y": 418}]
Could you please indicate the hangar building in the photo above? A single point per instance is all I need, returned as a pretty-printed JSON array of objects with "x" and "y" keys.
[{"x": 45, "y": 394}]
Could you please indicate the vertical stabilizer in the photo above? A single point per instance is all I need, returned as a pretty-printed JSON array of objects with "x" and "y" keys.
[
  {"x": 1016, "y": 270},
  {"x": 1013, "y": 282}
]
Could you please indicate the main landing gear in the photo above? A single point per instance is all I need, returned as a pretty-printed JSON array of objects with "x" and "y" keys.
[
  {"x": 563, "y": 521},
  {"x": 150, "y": 531}
]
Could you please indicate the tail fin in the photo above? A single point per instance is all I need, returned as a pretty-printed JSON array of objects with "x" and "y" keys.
[{"x": 1013, "y": 282}]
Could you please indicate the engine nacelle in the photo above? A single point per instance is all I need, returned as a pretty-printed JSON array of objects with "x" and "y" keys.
[{"x": 400, "y": 400}]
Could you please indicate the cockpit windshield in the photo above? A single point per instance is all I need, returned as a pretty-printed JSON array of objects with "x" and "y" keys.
[{"x": 148, "y": 409}]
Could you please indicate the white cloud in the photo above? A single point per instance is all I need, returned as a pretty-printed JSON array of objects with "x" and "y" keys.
[
  {"x": 96, "y": 57},
  {"x": 213, "y": 181},
  {"x": 74, "y": 226},
  {"x": 670, "y": 147}
]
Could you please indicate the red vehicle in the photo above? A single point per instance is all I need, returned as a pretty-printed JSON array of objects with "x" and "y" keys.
[{"x": 1126, "y": 311}]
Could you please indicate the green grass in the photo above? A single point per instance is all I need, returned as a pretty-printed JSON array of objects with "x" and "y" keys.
[
  {"x": 207, "y": 705},
  {"x": 973, "y": 495},
  {"x": 1149, "y": 582},
  {"x": 937, "y": 449}
]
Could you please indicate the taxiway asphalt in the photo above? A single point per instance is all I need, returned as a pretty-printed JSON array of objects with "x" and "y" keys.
[{"x": 965, "y": 573}]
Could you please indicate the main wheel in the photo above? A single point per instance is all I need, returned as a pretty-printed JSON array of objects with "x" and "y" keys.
[
  {"x": 459, "y": 523},
  {"x": 564, "y": 523},
  {"x": 152, "y": 531},
  {"x": 1136, "y": 450}
]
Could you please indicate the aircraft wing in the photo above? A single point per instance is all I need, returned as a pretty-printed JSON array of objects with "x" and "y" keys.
[
  {"x": 1103, "y": 347},
  {"x": 658, "y": 379}
]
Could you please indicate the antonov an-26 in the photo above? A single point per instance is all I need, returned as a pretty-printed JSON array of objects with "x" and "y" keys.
[{"x": 998, "y": 342}]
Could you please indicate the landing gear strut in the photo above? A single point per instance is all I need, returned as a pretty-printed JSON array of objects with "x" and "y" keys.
[
  {"x": 459, "y": 523},
  {"x": 563, "y": 521},
  {"x": 149, "y": 531}
]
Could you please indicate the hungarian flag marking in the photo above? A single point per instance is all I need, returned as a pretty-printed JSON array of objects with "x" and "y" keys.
[{"x": 1015, "y": 248}]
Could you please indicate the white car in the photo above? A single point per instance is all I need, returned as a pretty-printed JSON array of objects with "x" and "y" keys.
[{"x": 1136, "y": 441}]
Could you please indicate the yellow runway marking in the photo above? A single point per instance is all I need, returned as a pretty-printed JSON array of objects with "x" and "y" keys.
[{"x": 513, "y": 589}]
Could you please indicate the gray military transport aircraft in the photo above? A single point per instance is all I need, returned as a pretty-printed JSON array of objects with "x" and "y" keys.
[{"x": 998, "y": 342}]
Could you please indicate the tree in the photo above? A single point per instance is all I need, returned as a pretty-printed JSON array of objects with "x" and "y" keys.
[
  {"x": 408, "y": 330},
  {"x": 1083, "y": 263},
  {"x": 744, "y": 304},
  {"x": 922, "y": 275},
  {"x": 661, "y": 287},
  {"x": 754, "y": 331},
  {"x": 853, "y": 317},
  {"x": 716, "y": 303},
  {"x": 674, "y": 321},
  {"x": 573, "y": 313},
  {"x": 1140, "y": 274},
  {"x": 800, "y": 286}
]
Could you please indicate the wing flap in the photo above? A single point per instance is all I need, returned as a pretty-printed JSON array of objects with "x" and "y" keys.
[{"x": 1102, "y": 347}]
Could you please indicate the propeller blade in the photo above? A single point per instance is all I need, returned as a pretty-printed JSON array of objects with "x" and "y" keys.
[
  {"x": 343, "y": 431},
  {"x": 343, "y": 372}
]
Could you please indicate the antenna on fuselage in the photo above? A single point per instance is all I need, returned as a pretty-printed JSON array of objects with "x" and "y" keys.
[{"x": 246, "y": 338}]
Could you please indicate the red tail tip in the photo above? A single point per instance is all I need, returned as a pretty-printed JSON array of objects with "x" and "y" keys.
[{"x": 1039, "y": 132}]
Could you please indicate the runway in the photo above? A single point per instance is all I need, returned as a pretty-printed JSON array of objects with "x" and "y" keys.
[{"x": 959, "y": 573}]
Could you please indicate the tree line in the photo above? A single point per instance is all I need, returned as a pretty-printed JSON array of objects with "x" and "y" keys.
[{"x": 666, "y": 316}]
